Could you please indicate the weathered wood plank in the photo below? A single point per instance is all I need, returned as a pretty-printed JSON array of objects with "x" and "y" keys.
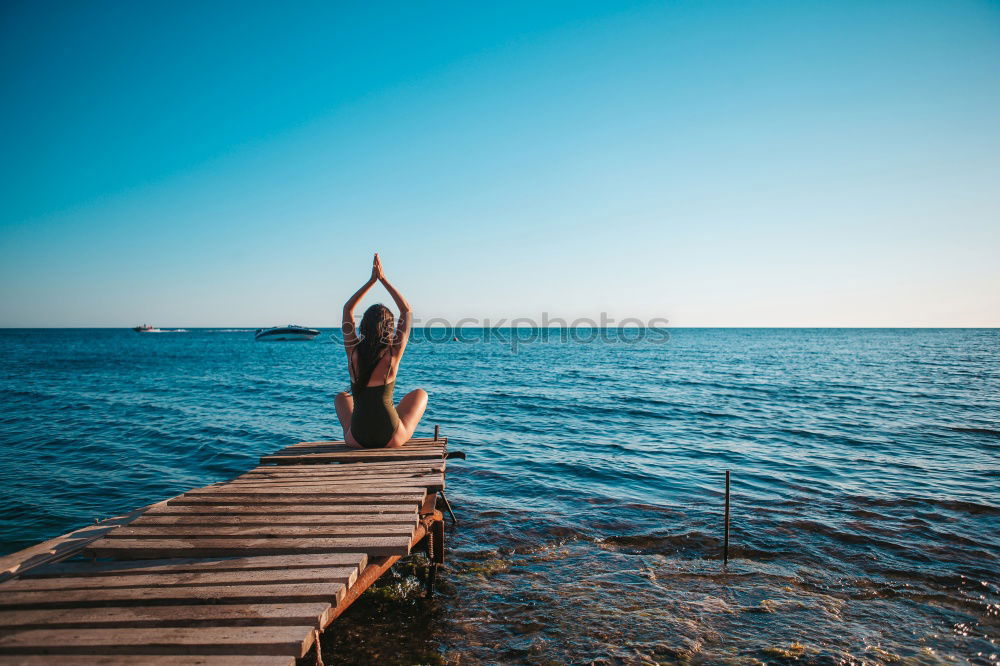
[
  {"x": 343, "y": 447},
  {"x": 435, "y": 465},
  {"x": 334, "y": 477},
  {"x": 353, "y": 457},
  {"x": 300, "y": 450},
  {"x": 414, "y": 495},
  {"x": 319, "y": 484},
  {"x": 321, "y": 475},
  {"x": 285, "y": 520},
  {"x": 322, "y": 472},
  {"x": 219, "y": 615},
  {"x": 350, "y": 449},
  {"x": 375, "y": 487},
  {"x": 232, "y": 594},
  {"x": 293, "y": 472},
  {"x": 389, "y": 466},
  {"x": 259, "y": 531},
  {"x": 150, "y": 660},
  {"x": 323, "y": 485},
  {"x": 343, "y": 575},
  {"x": 327, "y": 471},
  {"x": 154, "y": 548},
  {"x": 201, "y": 508},
  {"x": 65, "y": 545},
  {"x": 410, "y": 442},
  {"x": 294, "y": 641},
  {"x": 332, "y": 471},
  {"x": 192, "y": 565},
  {"x": 326, "y": 486},
  {"x": 336, "y": 489},
  {"x": 320, "y": 458}
]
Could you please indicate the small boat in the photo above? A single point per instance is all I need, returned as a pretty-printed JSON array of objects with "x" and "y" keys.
[
  {"x": 290, "y": 332},
  {"x": 146, "y": 328}
]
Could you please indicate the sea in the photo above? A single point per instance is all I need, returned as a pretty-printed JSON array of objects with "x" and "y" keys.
[{"x": 864, "y": 463}]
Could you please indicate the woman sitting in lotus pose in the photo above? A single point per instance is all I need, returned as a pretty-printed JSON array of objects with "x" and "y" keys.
[{"x": 374, "y": 351}]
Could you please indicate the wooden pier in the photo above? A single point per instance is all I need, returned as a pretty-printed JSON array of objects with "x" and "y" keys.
[{"x": 246, "y": 571}]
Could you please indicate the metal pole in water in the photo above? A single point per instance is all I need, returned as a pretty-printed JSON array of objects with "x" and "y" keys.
[
  {"x": 725, "y": 542},
  {"x": 437, "y": 432}
]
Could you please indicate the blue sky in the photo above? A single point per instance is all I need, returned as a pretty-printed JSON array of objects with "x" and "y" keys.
[{"x": 714, "y": 163}]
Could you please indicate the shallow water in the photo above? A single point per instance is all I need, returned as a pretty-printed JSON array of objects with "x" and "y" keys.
[{"x": 865, "y": 478}]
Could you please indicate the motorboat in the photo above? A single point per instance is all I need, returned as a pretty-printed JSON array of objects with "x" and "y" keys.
[
  {"x": 290, "y": 332},
  {"x": 146, "y": 328}
]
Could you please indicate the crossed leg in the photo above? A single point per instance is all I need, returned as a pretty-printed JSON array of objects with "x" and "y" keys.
[{"x": 410, "y": 410}]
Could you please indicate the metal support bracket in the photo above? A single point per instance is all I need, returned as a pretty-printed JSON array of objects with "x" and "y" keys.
[{"x": 447, "y": 505}]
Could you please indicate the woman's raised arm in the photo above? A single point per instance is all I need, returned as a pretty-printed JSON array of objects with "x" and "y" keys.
[
  {"x": 347, "y": 323},
  {"x": 405, "y": 316}
]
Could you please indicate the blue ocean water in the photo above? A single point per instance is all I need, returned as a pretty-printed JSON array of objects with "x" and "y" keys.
[{"x": 865, "y": 477}]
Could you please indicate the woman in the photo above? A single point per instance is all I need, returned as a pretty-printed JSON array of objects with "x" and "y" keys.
[{"x": 373, "y": 354}]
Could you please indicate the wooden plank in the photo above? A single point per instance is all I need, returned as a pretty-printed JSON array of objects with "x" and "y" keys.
[
  {"x": 232, "y": 594},
  {"x": 437, "y": 448},
  {"x": 365, "y": 486},
  {"x": 300, "y": 450},
  {"x": 376, "y": 487},
  {"x": 364, "y": 467},
  {"x": 313, "y": 484},
  {"x": 359, "y": 456},
  {"x": 259, "y": 531},
  {"x": 410, "y": 495},
  {"x": 321, "y": 475},
  {"x": 305, "y": 471},
  {"x": 192, "y": 565},
  {"x": 332, "y": 471},
  {"x": 393, "y": 485},
  {"x": 216, "y": 615},
  {"x": 286, "y": 520},
  {"x": 370, "y": 455},
  {"x": 435, "y": 465},
  {"x": 320, "y": 458},
  {"x": 343, "y": 575},
  {"x": 409, "y": 442},
  {"x": 294, "y": 641},
  {"x": 292, "y": 472},
  {"x": 325, "y": 485},
  {"x": 246, "y": 508},
  {"x": 155, "y": 548},
  {"x": 335, "y": 477},
  {"x": 440, "y": 444},
  {"x": 150, "y": 660},
  {"x": 389, "y": 454},
  {"x": 64, "y": 546}
]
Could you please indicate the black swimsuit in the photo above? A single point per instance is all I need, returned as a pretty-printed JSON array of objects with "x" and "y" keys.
[{"x": 374, "y": 419}]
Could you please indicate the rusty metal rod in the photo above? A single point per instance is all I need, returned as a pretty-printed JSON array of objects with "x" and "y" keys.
[
  {"x": 725, "y": 542},
  {"x": 447, "y": 505},
  {"x": 437, "y": 432}
]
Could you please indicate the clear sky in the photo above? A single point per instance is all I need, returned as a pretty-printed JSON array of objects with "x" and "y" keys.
[{"x": 715, "y": 163}]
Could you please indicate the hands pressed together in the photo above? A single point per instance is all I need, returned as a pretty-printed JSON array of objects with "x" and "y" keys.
[{"x": 377, "y": 273}]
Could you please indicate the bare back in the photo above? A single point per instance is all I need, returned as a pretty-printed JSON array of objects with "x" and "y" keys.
[{"x": 383, "y": 373}]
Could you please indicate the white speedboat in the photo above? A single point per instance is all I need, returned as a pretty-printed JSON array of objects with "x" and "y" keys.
[
  {"x": 146, "y": 328},
  {"x": 290, "y": 332}
]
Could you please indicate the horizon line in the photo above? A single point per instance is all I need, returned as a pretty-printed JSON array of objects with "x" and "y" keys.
[{"x": 689, "y": 326}]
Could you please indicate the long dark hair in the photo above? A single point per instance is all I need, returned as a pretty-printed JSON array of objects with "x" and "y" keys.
[{"x": 375, "y": 341}]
